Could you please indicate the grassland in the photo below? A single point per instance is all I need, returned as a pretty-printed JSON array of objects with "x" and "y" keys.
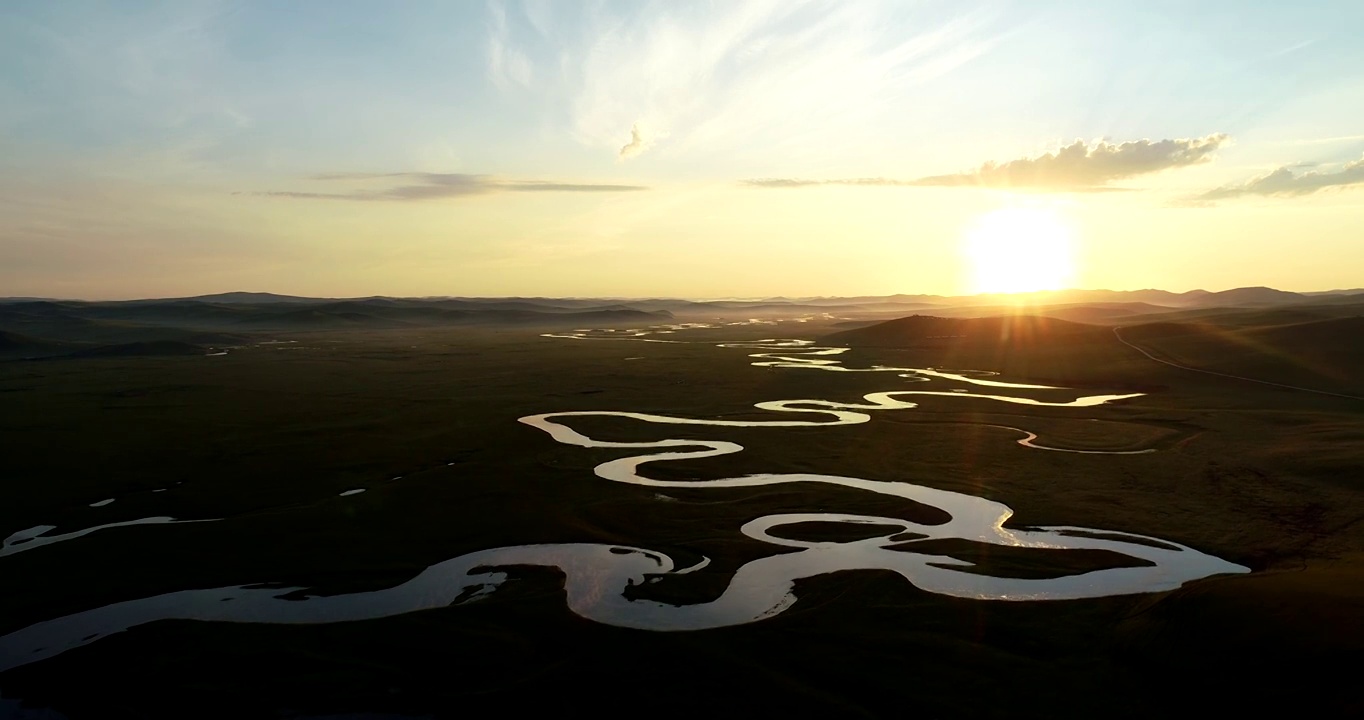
[{"x": 267, "y": 436}]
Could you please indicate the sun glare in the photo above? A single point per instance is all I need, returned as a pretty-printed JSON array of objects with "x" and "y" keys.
[{"x": 1016, "y": 250}]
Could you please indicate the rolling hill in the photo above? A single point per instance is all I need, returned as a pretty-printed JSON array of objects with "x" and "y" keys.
[
  {"x": 158, "y": 348},
  {"x": 15, "y": 344},
  {"x": 1325, "y": 355},
  {"x": 1030, "y": 347},
  {"x": 932, "y": 331},
  {"x": 1287, "y": 346},
  {"x": 199, "y": 322}
]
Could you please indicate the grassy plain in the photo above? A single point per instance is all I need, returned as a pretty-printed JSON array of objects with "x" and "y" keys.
[{"x": 267, "y": 436}]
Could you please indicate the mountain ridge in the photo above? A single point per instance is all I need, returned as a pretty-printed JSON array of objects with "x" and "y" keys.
[{"x": 1238, "y": 295}]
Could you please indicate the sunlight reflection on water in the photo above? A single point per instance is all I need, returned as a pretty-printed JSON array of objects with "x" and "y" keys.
[{"x": 599, "y": 577}]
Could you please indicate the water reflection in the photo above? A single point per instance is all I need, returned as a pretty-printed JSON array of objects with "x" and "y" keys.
[
  {"x": 597, "y": 578},
  {"x": 36, "y": 537},
  {"x": 608, "y": 583}
]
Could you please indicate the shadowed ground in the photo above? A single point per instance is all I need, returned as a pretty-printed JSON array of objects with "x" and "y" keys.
[{"x": 269, "y": 435}]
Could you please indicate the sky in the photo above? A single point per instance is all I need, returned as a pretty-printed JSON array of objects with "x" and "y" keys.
[{"x": 685, "y": 149}]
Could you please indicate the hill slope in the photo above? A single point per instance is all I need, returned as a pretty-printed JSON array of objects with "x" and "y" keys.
[
  {"x": 158, "y": 348},
  {"x": 14, "y": 344},
  {"x": 1043, "y": 349},
  {"x": 1325, "y": 355},
  {"x": 930, "y": 330},
  {"x": 182, "y": 320}
]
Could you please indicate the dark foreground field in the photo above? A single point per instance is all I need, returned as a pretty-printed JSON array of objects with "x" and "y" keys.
[{"x": 269, "y": 435}]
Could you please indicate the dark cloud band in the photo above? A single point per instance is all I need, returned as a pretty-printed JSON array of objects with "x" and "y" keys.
[{"x": 410, "y": 186}]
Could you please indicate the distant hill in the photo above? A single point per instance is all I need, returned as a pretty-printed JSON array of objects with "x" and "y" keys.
[
  {"x": 1336, "y": 336},
  {"x": 1104, "y": 313},
  {"x": 45, "y": 321},
  {"x": 1311, "y": 310},
  {"x": 1101, "y": 313},
  {"x": 249, "y": 298},
  {"x": 919, "y": 330},
  {"x": 160, "y": 348},
  {"x": 1252, "y": 296},
  {"x": 1049, "y": 298},
  {"x": 1321, "y": 354},
  {"x": 1292, "y": 345},
  {"x": 1041, "y": 349},
  {"x": 1237, "y": 297},
  {"x": 380, "y": 314},
  {"x": 1193, "y": 298},
  {"x": 225, "y": 317},
  {"x": 97, "y": 323},
  {"x": 13, "y": 343},
  {"x": 1336, "y": 298},
  {"x": 1352, "y": 291},
  {"x": 197, "y": 321},
  {"x": 1344, "y": 334}
]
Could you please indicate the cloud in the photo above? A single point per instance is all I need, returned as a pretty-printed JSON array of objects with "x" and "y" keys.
[
  {"x": 787, "y": 182},
  {"x": 429, "y": 186},
  {"x": 1075, "y": 167},
  {"x": 1080, "y": 166},
  {"x": 507, "y": 66},
  {"x": 718, "y": 75},
  {"x": 1284, "y": 182},
  {"x": 638, "y": 143}
]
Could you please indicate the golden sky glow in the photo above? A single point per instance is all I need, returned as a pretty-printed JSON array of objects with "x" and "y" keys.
[{"x": 681, "y": 149}]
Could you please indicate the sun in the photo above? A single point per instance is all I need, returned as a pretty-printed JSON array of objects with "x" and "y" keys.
[{"x": 1015, "y": 250}]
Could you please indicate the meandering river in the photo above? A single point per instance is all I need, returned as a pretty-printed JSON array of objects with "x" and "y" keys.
[{"x": 597, "y": 576}]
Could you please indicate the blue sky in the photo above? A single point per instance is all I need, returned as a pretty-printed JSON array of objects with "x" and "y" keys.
[{"x": 225, "y": 142}]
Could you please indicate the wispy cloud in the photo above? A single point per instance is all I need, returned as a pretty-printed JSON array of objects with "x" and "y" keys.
[
  {"x": 1078, "y": 167},
  {"x": 714, "y": 76},
  {"x": 409, "y": 186},
  {"x": 638, "y": 143},
  {"x": 507, "y": 66},
  {"x": 1285, "y": 181}
]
